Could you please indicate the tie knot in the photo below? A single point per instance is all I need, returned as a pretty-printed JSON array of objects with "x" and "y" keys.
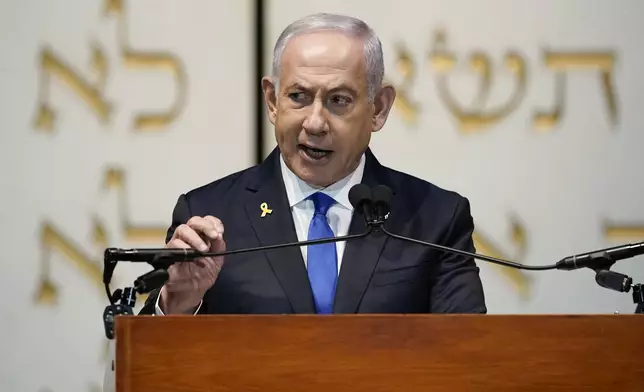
[{"x": 322, "y": 202}]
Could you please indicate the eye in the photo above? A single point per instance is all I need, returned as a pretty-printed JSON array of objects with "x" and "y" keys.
[
  {"x": 340, "y": 100},
  {"x": 298, "y": 96}
]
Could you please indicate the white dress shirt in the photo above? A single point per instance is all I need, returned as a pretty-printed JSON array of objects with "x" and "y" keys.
[{"x": 338, "y": 215}]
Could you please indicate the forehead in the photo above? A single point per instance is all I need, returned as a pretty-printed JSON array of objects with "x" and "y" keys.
[{"x": 324, "y": 57}]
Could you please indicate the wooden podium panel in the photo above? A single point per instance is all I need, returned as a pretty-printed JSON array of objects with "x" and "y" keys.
[{"x": 380, "y": 353}]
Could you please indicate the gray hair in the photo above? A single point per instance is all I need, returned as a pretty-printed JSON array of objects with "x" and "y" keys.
[{"x": 375, "y": 67}]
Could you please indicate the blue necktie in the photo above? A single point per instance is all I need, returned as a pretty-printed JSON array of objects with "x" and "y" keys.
[{"x": 322, "y": 258}]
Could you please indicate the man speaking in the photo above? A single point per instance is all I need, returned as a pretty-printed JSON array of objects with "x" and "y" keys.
[{"x": 325, "y": 98}]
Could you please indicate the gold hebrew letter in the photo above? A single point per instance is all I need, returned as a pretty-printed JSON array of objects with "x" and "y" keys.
[
  {"x": 52, "y": 239},
  {"x": 478, "y": 117},
  {"x": 407, "y": 107},
  {"x": 624, "y": 231},
  {"x": 113, "y": 6},
  {"x": 560, "y": 63},
  {"x": 152, "y": 121},
  {"x": 518, "y": 236},
  {"x": 114, "y": 179},
  {"x": 51, "y": 64}
]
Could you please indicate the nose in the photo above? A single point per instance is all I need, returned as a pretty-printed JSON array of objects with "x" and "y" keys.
[{"x": 316, "y": 122}]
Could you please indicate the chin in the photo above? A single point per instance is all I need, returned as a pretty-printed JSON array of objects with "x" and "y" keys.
[
  {"x": 312, "y": 174},
  {"x": 312, "y": 177}
]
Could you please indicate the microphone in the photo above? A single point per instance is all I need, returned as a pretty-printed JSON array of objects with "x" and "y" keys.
[
  {"x": 163, "y": 256},
  {"x": 597, "y": 260},
  {"x": 602, "y": 258},
  {"x": 622, "y": 283},
  {"x": 151, "y": 281},
  {"x": 151, "y": 255},
  {"x": 381, "y": 198},
  {"x": 614, "y": 281},
  {"x": 361, "y": 199},
  {"x": 156, "y": 257}
]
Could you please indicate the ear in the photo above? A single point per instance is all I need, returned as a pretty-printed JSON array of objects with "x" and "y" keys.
[
  {"x": 383, "y": 102},
  {"x": 270, "y": 97}
]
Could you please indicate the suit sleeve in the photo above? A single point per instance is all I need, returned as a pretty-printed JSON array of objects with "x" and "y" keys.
[
  {"x": 457, "y": 287},
  {"x": 180, "y": 215}
]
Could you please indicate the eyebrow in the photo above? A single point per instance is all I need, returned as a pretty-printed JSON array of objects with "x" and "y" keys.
[
  {"x": 298, "y": 86},
  {"x": 343, "y": 87},
  {"x": 340, "y": 87}
]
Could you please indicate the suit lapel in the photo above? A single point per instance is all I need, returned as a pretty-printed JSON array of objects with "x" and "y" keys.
[
  {"x": 277, "y": 228},
  {"x": 361, "y": 256}
]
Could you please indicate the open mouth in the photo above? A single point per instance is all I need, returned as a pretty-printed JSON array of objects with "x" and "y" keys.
[{"x": 314, "y": 153}]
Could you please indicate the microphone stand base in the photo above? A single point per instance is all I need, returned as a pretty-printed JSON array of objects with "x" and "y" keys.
[{"x": 125, "y": 307}]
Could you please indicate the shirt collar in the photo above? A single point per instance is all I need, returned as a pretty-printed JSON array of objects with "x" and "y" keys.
[{"x": 297, "y": 190}]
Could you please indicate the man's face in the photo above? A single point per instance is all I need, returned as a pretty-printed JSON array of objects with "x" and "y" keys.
[{"x": 322, "y": 116}]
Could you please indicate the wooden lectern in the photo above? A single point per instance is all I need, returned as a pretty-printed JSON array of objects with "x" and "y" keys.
[{"x": 379, "y": 353}]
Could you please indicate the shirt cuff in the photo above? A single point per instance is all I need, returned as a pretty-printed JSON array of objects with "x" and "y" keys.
[{"x": 159, "y": 312}]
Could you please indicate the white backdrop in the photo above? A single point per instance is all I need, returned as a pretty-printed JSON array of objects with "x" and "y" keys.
[
  {"x": 538, "y": 193},
  {"x": 89, "y": 175},
  {"x": 77, "y": 176}
]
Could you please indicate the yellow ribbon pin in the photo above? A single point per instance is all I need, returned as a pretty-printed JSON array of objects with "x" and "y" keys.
[{"x": 265, "y": 209}]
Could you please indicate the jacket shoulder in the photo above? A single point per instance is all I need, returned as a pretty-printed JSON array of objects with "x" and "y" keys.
[
  {"x": 438, "y": 210},
  {"x": 221, "y": 187},
  {"x": 422, "y": 190}
]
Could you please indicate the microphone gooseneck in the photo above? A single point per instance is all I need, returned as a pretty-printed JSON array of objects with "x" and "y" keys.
[
  {"x": 490, "y": 259},
  {"x": 600, "y": 261}
]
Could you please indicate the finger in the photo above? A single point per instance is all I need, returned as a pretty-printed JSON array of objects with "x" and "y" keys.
[
  {"x": 216, "y": 222},
  {"x": 204, "y": 226},
  {"x": 189, "y": 236},
  {"x": 177, "y": 243}
]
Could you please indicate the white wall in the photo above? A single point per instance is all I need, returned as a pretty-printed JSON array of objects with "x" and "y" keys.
[{"x": 57, "y": 179}]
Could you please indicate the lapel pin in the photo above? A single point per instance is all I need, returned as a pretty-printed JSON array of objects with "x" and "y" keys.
[{"x": 265, "y": 209}]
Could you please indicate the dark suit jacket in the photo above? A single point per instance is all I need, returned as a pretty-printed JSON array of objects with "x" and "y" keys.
[{"x": 378, "y": 274}]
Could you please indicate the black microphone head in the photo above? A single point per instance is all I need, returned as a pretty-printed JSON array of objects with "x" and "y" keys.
[
  {"x": 110, "y": 254},
  {"x": 151, "y": 281},
  {"x": 362, "y": 201},
  {"x": 360, "y": 194},
  {"x": 613, "y": 280},
  {"x": 382, "y": 195}
]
